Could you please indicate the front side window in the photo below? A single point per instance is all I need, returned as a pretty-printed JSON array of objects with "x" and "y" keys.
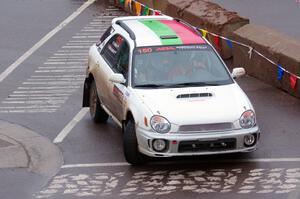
[
  {"x": 123, "y": 60},
  {"x": 175, "y": 66}
]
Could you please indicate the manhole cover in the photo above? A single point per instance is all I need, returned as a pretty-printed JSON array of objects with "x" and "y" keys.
[{"x": 4, "y": 143}]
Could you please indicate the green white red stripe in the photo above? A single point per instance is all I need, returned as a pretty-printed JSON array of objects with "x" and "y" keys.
[
  {"x": 172, "y": 27},
  {"x": 151, "y": 32},
  {"x": 186, "y": 35},
  {"x": 161, "y": 29}
]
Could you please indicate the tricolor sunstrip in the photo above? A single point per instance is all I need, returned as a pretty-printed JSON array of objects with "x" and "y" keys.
[{"x": 163, "y": 32}]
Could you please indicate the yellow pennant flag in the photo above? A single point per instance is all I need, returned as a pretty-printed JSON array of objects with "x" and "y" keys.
[
  {"x": 204, "y": 33},
  {"x": 138, "y": 8}
]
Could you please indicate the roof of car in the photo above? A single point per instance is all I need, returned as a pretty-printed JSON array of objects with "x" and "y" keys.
[{"x": 162, "y": 30}]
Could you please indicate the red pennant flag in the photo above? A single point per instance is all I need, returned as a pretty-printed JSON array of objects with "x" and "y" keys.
[
  {"x": 293, "y": 81},
  {"x": 156, "y": 12},
  {"x": 217, "y": 42}
]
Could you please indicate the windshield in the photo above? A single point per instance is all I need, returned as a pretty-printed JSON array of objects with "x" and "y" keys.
[{"x": 174, "y": 66}]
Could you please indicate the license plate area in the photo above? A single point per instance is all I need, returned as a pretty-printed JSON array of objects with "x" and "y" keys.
[{"x": 210, "y": 145}]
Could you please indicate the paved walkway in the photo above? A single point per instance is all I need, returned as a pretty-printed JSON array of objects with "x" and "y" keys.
[{"x": 22, "y": 148}]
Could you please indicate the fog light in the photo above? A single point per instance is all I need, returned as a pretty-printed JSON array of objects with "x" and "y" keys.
[
  {"x": 159, "y": 145},
  {"x": 249, "y": 140}
]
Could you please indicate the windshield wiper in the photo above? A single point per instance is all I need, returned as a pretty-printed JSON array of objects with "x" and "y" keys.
[
  {"x": 195, "y": 84},
  {"x": 176, "y": 85},
  {"x": 150, "y": 86}
]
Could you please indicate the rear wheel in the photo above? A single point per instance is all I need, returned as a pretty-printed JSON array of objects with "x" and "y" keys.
[
  {"x": 96, "y": 111},
  {"x": 130, "y": 144}
]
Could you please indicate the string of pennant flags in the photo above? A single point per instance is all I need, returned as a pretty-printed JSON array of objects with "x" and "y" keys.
[
  {"x": 280, "y": 69},
  {"x": 140, "y": 9}
]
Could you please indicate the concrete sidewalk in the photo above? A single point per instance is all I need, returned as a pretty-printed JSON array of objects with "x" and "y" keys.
[{"x": 23, "y": 148}]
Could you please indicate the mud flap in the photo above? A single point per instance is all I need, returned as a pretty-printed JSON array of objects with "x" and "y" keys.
[{"x": 86, "y": 93}]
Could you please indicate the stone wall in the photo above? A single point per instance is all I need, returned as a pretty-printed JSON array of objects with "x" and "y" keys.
[{"x": 276, "y": 46}]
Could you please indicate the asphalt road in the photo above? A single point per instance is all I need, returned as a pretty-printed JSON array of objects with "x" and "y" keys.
[{"x": 44, "y": 94}]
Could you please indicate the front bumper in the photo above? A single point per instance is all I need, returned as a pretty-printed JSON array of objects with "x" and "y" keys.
[{"x": 185, "y": 144}]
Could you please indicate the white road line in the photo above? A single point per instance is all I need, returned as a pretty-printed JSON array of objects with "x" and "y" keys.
[
  {"x": 60, "y": 67},
  {"x": 58, "y": 82},
  {"x": 70, "y": 54},
  {"x": 40, "y": 95},
  {"x": 60, "y": 71},
  {"x": 21, "y": 59},
  {"x": 57, "y": 76},
  {"x": 46, "y": 91},
  {"x": 112, "y": 9},
  {"x": 108, "y": 16},
  {"x": 36, "y": 98},
  {"x": 36, "y": 102},
  {"x": 72, "y": 51},
  {"x": 70, "y": 62},
  {"x": 60, "y": 59},
  {"x": 30, "y": 107},
  {"x": 85, "y": 45},
  {"x": 48, "y": 87},
  {"x": 81, "y": 37},
  {"x": 88, "y": 34},
  {"x": 55, "y": 79},
  {"x": 75, "y": 47},
  {"x": 60, "y": 137},
  {"x": 116, "y": 164},
  {"x": 30, "y": 111},
  {"x": 83, "y": 41},
  {"x": 91, "y": 30},
  {"x": 57, "y": 57}
]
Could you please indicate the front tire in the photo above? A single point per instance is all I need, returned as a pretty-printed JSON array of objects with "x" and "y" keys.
[
  {"x": 96, "y": 111},
  {"x": 130, "y": 144}
]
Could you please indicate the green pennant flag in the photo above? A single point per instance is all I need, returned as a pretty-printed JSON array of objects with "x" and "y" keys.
[{"x": 146, "y": 11}]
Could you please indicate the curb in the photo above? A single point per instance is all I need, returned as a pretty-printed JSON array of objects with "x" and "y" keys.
[{"x": 23, "y": 148}]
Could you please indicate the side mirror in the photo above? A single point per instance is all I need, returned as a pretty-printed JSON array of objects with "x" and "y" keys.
[
  {"x": 238, "y": 72},
  {"x": 117, "y": 78}
]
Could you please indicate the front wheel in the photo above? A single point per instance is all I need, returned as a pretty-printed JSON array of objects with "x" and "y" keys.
[
  {"x": 96, "y": 111},
  {"x": 130, "y": 145}
]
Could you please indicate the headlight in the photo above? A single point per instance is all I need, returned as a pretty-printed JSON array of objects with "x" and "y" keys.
[
  {"x": 160, "y": 124},
  {"x": 247, "y": 120}
]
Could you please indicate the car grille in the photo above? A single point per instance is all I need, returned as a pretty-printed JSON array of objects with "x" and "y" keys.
[
  {"x": 206, "y": 127},
  {"x": 207, "y": 146}
]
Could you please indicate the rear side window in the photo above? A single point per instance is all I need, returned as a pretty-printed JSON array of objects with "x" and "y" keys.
[
  {"x": 105, "y": 35},
  {"x": 111, "y": 50}
]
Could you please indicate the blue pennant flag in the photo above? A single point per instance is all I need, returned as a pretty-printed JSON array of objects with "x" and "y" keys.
[
  {"x": 229, "y": 43},
  {"x": 280, "y": 72}
]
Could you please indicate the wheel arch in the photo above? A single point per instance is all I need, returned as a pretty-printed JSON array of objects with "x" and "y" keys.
[{"x": 128, "y": 116}]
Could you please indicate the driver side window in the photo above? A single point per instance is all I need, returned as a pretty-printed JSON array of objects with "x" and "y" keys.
[{"x": 123, "y": 60}]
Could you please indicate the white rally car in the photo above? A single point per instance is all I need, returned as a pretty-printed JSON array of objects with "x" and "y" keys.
[{"x": 169, "y": 91}]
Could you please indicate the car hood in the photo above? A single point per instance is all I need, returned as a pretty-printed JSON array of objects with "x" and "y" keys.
[{"x": 196, "y": 105}]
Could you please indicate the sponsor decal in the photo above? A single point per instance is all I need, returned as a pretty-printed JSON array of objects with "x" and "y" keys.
[{"x": 147, "y": 50}]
